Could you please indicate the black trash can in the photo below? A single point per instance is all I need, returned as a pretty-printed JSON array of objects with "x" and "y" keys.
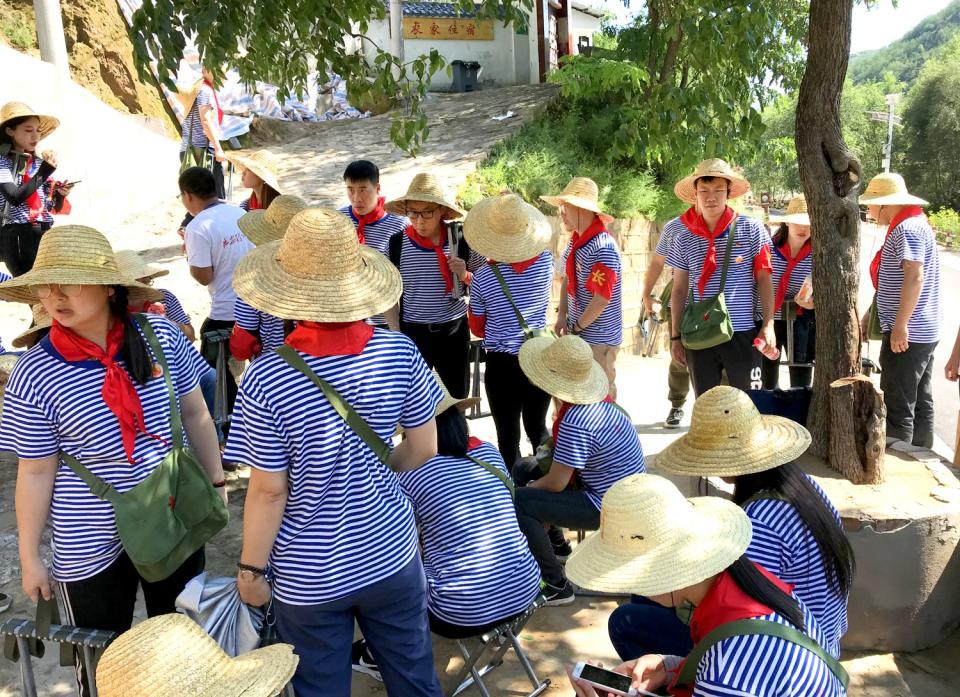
[{"x": 466, "y": 76}]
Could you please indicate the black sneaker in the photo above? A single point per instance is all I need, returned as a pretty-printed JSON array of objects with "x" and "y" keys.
[
  {"x": 5, "y": 602},
  {"x": 562, "y": 551},
  {"x": 558, "y": 596},
  {"x": 363, "y": 662},
  {"x": 673, "y": 418}
]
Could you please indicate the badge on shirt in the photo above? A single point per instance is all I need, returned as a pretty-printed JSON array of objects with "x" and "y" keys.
[{"x": 157, "y": 370}]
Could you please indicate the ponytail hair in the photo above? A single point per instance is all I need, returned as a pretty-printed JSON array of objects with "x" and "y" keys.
[{"x": 133, "y": 351}]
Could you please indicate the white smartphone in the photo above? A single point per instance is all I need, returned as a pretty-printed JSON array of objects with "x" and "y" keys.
[{"x": 614, "y": 683}]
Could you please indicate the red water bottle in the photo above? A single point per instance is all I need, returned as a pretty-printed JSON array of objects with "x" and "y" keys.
[{"x": 771, "y": 352}]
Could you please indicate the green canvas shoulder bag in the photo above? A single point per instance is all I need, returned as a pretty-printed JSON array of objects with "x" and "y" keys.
[
  {"x": 706, "y": 323},
  {"x": 528, "y": 333}
]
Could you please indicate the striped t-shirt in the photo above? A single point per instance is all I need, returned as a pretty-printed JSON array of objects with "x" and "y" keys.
[
  {"x": 599, "y": 440},
  {"x": 911, "y": 240},
  {"x": 20, "y": 214},
  {"x": 192, "y": 126},
  {"x": 689, "y": 251},
  {"x": 667, "y": 237},
  {"x": 172, "y": 309},
  {"x": 784, "y": 546},
  {"x": 607, "y": 329},
  {"x": 472, "y": 545},
  {"x": 346, "y": 524},
  {"x": 797, "y": 276},
  {"x": 425, "y": 297},
  {"x": 270, "y": 329},
  {"x": 377, "y": 235},
  {"x": 52, "y": 405},
  {"x": 531, "y": 292}
]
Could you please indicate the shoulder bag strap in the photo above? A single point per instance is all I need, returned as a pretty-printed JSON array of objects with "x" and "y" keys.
[
  {"x": 339, "y": 404},
  {"x": 726, "y": 256},
  {"x": 688, "y": 672},
  {"x": 176, "y": 423},
  {"x": 506, "y": 291},
  {"x": 496, "y": 471}
]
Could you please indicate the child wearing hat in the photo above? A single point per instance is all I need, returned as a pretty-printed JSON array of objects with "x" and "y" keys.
[
  {"x": 134, "y": 266},
  {"x": 201, "y": 126},
  {"x": 259, "y": 175},
  {"x": 328, "y": 532},
  {"x": 689, "y": 555},
  {"x": 92, "y": 389}
]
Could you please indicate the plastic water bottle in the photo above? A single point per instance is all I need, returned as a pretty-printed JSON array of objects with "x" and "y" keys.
[{"x": 770, "y": 351}]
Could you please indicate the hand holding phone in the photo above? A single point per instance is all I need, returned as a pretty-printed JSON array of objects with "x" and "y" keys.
[{"x": 607, "y": 680}]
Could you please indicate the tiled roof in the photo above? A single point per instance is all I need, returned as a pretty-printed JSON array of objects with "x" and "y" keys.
[{"x": 433, "y": 9}]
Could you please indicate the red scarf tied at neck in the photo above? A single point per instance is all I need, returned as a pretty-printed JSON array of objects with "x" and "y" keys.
[
  {"x": 216, "y": 101},
  {"x": 119, "y": 393},
  {"x": 695, "y": 223},
  {"x": 791, "y": 265},
  {"x": 373, "y": 216},
  {"x": 421, "y": 241},
  {"x": 330, "y": 338},
  {"x": 253, "y": 203},
  {"x": 578, "y": 240},
  {"x": 905, "y": 213},
  {"x": 34, "y": 202}
]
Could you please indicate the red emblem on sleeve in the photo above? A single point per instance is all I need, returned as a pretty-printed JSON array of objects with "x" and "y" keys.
[{"x": 602, "y": 280}]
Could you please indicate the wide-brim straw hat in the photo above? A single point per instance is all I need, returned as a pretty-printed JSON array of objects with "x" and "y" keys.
[
  {"x": 796, "y": 213},
  {"x": 505, "y": 228},
  {"x": 269, "y": 224},
  {"x": 41, "y": 321},
  {"x": 134, "y": 266},
  {"x": 171, "y": 655},
  {"x": 451, "y": 401},
  {"x": 653, "y": 541},
  {"x": 564, "y": 367},
  {"x": 186, "y": 97},
  {"x": 13, "y": 110},
  {"x": 686, "y": 189},
  {"x": 74, "y": 254},
  {"x": 261, "y": 163},
  {"x": 889, "y": 189},
  {"x": 581, "y": 192},
  {"x": 426, "y": 188},
  {"x": 318, "y": 272},
  {"x": 728, "y": 437}
]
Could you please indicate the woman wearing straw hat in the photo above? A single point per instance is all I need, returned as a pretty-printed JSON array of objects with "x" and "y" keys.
[
  {"x": 592, "y": 305},
  {"x": 698, "y": 256},
  {"x": 797, "y": 534},
  {"x": 906, "y": 275},
  {"x": 690, "y": 554},
  {"x": 259, "y": 175},
  {"x": 69, "y": 394},
  {"x": 433, "y": 310},
  {"x": 327, "y": 529},
  {"x": 172, "y": 655},
  {"x": 201, "y": 126},
  {"x": 593, "y": 438},
  {"x": 515, "y": 283},
  {"x": 480, "y": 572},
  {"x": 792, "y": 267},
  {"x": 27, "y": 193},
  {"x": 134, "y": 266}
]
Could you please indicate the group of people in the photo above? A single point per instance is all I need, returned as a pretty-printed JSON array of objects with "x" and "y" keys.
[{"x": 357, "y": 323}]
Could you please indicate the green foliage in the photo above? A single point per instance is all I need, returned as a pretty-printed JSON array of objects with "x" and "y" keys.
[
  {"x": 946, "y": 220},
  {"x": 17, "y": 26}
]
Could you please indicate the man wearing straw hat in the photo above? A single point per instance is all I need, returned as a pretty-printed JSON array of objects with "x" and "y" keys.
[
  {"x": 708, "y": 264},
  {"x": 906, "y": 275},
  {"x": 592, "y": 306}
]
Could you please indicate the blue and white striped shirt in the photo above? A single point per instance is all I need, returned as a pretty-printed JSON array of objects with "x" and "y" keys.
[
  {"x": 20, "y": 214},
  {"x": 911, "y": 240},
  {"x": 599, "y": 440},
  {"x": 667, "y": 236},
  {"x": 377, "y": 236},
  {"x": 784, "y": 546},
  {"x": 472, "y": 544},
  {"x": 607, "y": 329},
  {"x": 270, "y": 329},
  {"x": 797, "y": 276},
  {"x": 425, "y": 298},
  {"x": 52, "y": 405},
  {"x": 531, "y": 293},
  {"x": 172, "y": 309},
  {"x": 689, "y": 251},
  {"x": 346, "y": 524},
  {"x": 193, "y": 123}
]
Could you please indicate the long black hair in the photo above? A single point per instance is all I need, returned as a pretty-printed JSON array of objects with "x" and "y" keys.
[
  {"x": 452, "y": 433},
  {"x": 12, "y": 123},
  {"x": 790, "y": 483},
  {"x": 752, "y": 582},
  {"x": 133, "y": 350},
  {"x": 781, "y": 235}
]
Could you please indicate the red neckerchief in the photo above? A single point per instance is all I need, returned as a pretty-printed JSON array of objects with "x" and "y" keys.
[
  {"x": 597, "y": 227},
  {"x": 378, "y": 213},
  {"x": 562, "y": 411},
  {"x": 906, "y": 212},
  {"x": 216, "y": 101},
  {"x": 119, "y": 393},
  {"x": 330, "y": 338},
  {"x": 725, "y": 602},
  {"x": 253, "y": 203},
  {"x": 791, "y": 265},
  {"x": 421, "y": 241},
  {"x": 149, "y": 307},
  {"x": 473, "y": 443},
  {"x": 34, "y": 202},
  {"x": 518, "y": 266},
  {"x": 695, "y": 223}
]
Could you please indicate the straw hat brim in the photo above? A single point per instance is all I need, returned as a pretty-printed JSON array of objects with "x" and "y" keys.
[
  {"x": 271, "y": 668},
  {"x": 686, "y": 189},
  {"x": 901, "y": 198},
  {"x": 255, "y": 227},
  {"x": 792, "y": 219},
  {"x": 723, "y": 533},
  {"x": 28, "y": 336},
  {"x": 781, "y": 440},
  {"x": 269, "y": 178},
  {"x": 461, "y": 404},
  {"x": 48, "y": 124},
  {"x": 22, "y": 288},
  {"x": 264, "y": 284},
  {"x": 594, "y": 389},
  {"x": 398, "y": 206},
  {"x": 507, "y": 248}
]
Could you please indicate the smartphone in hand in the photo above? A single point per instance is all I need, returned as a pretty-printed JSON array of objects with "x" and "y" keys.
[{"x": 607, "y": 680}]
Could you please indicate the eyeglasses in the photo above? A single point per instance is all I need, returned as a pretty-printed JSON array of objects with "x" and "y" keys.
[
  {"x": 426, "y": 215},
  {"x": 71, "y": 290}
]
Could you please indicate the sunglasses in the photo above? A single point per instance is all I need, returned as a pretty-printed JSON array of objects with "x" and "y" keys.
[{"x": 71, "y": 290}]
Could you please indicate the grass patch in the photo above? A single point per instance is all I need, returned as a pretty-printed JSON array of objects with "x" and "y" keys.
[{"x": 17, "y": 25}]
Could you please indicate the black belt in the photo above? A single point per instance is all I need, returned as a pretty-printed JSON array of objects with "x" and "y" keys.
[{"x": 440, "y": 327}]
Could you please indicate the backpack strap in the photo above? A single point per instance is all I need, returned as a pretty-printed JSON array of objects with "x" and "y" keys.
[
  {"x": 500, "y": 474},
  {"x": 506, "y": 291},
  {"x": 754, "y": 627},
  {"x": 340, "y": 405},
  {"x": 726, "y": 256}
]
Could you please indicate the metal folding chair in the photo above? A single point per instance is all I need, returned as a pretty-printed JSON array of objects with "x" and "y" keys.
[
  {"x": 221, "y": 413},
  {"x": 476, "y": 357}
]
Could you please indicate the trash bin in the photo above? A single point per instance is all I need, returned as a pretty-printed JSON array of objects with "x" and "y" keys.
[{"x": 466, "y": 76}]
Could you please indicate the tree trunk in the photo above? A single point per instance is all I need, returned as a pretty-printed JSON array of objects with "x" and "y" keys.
[
  {"x": 857, "y": 397},
  {"x": 830, "y": 174}
]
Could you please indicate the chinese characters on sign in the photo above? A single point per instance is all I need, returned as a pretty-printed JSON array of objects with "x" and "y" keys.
[{"x": 447, "y": 28}]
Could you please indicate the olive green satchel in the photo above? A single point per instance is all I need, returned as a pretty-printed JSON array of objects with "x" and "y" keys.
[{"x": 706, "y": 323}]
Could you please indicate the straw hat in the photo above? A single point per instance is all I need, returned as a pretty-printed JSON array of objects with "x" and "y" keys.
[
  {"x": 728, "y": 437},
  {"x": 74, "y": 254},
  {"x": 424, "y": 187},
  {"x": 13, "y": 110},
  {"x": 186, "y": 97},
  {"x": 132, "y": 265},
  {"x": 581, "y": 192},
  {"x": 796, "y": 213},
  {"x": 686, "y": 189},
  {"x": 170, "y": 655},
  {"x": 507, "y": 229},
  {"x": 653, "y": 541},
  {"x": 260, "y": 162},
  {"x": 451, "y": 401},
  {"x": 318, "y": 272},
  {"x": 889, "y": 189},
  {"x": 564, "y": 367},
  {"x": 267, "y": 225},
  {"x": 41, "y": 321}
]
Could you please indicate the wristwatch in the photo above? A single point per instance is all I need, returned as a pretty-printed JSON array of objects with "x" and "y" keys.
[{"x": 249, "y": 573}]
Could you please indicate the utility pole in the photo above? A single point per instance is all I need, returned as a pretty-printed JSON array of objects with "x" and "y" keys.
[
  {"x": 892, "y": 100},
  {"x": 53, "y": 47},
  {"x": 396, "y": 31}
]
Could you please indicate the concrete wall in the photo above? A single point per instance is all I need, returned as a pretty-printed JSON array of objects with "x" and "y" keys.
[{"x": 579, "y": 24}]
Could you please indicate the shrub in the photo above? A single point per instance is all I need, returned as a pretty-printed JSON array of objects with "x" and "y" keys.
[{"x": 946, "y": 222}]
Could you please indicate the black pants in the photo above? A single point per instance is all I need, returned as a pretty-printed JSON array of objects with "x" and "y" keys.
[
  {"x": 216, "y": 168},
  {"x": 18, "y": 245},
  {"x": 737, "y": 357},
  {"x": 445, "y": 347},
  {"x": 512, "y": 397},
  {"x": 106, "y": 601},
  {"x": 804, "y": 351},
  {"x": 907, "y": 383},
  {"x": 209, "y": 352}
]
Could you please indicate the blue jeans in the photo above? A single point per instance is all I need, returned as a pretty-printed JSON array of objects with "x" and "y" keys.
[
  {"x": 392, "y": 615},
  {"x": 208, "y": 388},
  {"x": 643, "y": 627}
]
